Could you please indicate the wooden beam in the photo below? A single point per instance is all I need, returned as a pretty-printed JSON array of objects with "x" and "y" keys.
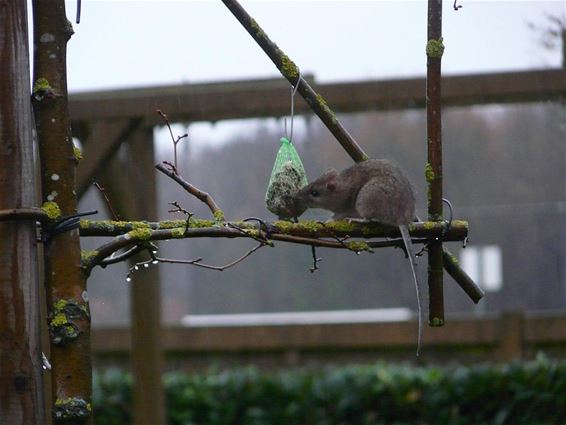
[
  {"x": 506, "y": 337},
  {"x": 104, "y": 140},
  {"x": 270, "y": 97},
  {"x": 304, "y": 337}
]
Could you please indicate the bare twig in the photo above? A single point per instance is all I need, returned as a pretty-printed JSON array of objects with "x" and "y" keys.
[
  {"x": 180, "y": 209},
  {"x": 197, "y": 262},
  {"x": 101, "y": 189},
  {"x": 174, "y": 139},
  {"x": 78, "y": 17},
  {"x": 193, "y": 190},
  {"x": 315, "y": 260}
]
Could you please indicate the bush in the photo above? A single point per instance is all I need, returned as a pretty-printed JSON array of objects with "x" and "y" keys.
[{"x": 519, "y": 393}]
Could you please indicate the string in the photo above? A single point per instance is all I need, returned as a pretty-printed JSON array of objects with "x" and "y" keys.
[{"x": 293, "y": 93}]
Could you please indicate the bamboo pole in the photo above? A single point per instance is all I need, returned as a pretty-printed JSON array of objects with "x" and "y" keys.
[
  {"x": 67, "y": 298},
  {"x": 434, "y": 51},
  {"x": 21, "y": 391}
]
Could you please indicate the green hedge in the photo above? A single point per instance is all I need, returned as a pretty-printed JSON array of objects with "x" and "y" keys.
[{"x": 519, "y": 393}]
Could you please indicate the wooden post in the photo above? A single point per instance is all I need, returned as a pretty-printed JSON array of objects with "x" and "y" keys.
[
  {"x": 131, "y": 188},
  {"x": 145, "y": 293},
  {"x": 511, "y": 331},
  {"x": 21, "y": 392}
]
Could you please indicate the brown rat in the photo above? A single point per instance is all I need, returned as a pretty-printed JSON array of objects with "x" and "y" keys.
[{"x": 373, "y": 190}]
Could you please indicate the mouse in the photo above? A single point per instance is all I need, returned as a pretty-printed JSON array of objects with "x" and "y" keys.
[{"x": 372, "y": 190}]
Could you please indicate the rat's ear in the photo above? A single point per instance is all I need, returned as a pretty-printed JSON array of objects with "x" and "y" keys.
[
  {"x": 331, "y": 185},
  {"x": 330, "y": 173},
  {"x": 330, "y": 178}
]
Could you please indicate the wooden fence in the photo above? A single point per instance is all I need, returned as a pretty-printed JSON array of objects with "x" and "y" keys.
[{"x": 469, "y": 339}]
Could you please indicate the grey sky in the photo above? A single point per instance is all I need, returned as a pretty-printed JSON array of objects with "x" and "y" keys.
[{"x": 140, "y": 43}]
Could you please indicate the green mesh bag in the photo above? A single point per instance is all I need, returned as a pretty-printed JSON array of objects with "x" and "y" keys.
[{"x": 287, "y": 177}]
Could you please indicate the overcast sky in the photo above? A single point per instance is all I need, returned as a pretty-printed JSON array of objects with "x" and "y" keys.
[{"x": 141, "y": 43}]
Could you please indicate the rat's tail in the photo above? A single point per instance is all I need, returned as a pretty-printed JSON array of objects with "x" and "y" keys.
[{"x": 413, "y": 260}]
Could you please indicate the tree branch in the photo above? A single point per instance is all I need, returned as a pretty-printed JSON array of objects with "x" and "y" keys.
[
  {"x": 193, "y": 190},
  {"x": 434, "y": 51},
  {"x": 131, "y": 234}
]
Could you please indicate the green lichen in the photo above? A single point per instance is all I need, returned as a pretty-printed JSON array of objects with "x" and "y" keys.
[
  {"x": 284, "y": 226},
  {"x": 365, "y": 157},
  {"x": 322, "y": 103},
  {"x": 435, "y": 48},
  {"x": 288, "y": 67},
  {"x": 219, "y": 216},
  {"x": 59, "y": 320},
  {"x": 62, "y": 329},
  {"x": 429, "y": 225},
  {"x": 341, "y": 226},
  {"x": 178, "y": 233},
  {"x": 41, "y": 84},
  {"x": 171, "y": 224},
  {"x": 199, "y": 223},
  {"x": 429, "y": 173},
  {"x": 358, "y": 246},
  {"x": 436, "y": 322},
  {"x": 71, "y": 408},
  {"x": 451, "y": 258},
  {"x": 51, "y": 209},
  {"x": 77, "y": 153},
  {"x": 140, "y": 233},
  {"x": 87, "y": 256},
  {"x": 312, "y": 226},
  {"x": 136, "y": 225},
  {"x": 255, "y": 26}
]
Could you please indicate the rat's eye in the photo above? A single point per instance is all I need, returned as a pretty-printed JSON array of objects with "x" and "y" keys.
[{"x": 315, "y": 193}]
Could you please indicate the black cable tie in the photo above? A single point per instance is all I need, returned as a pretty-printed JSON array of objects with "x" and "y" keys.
[
  {"x": 262, "y": 225},
  {"x": 65, "y": 224}
]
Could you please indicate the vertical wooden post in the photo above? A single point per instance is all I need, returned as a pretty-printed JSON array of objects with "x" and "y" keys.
[
  {"x": 434, "y": 51},
  {"x": 511, "y": 336},
  {"x": 21, "y": 392},
  {"x": 131, "y": 187},
  {"x": 145, "y": 293}
]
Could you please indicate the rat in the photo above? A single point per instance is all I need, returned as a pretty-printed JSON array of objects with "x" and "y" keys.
[{"x": 372, "y": 190}]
